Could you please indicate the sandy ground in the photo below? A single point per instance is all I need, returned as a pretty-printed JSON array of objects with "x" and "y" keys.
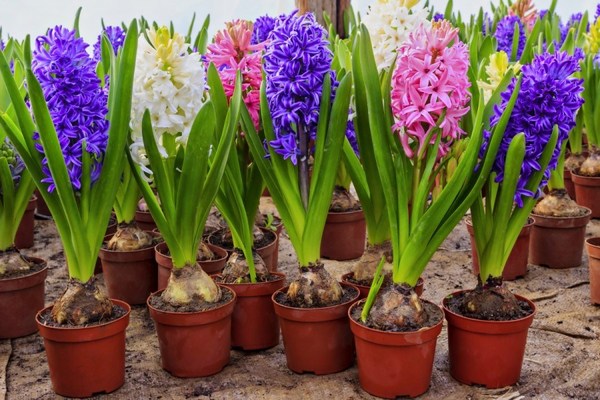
[{"x": 561, "y": 359}]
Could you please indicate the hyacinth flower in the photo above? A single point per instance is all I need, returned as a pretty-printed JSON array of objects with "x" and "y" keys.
[
  {"x": 544, "y": 113},
  {"x": 296, "y": 110},
  {"x": 261, "y": 29},
  {"x": 390, "y": 22},
  {"x": 426, "y": 106},
  {"x": 181, "y": 142},
  {"x": 73, "y": 150},
  {"x": 16, "y": 185},
  {"x": 238, "y": 198},
  {"x": 590, "y": 72},
  {"x": 510, "y": 36},
  {"x": 526, "y": 11}
]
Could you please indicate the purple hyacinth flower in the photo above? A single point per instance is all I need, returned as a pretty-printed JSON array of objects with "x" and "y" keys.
[
  {"x": 549, "y": 96},
  {"x": 597, "y": 12},
  {"x": 543, "y": 13},
  {"x": 76, "y": 101},
  {"x": 505, "y": 32},
  {"x": 262, "y": 27},
  {"x": 116, "y": 37},
  {"x": 438, "y": 17},
  {"x": 564, "y": 28}
]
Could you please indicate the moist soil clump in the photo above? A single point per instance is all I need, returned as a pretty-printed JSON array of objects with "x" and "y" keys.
[
  {"x": 33, "y": 268},
  {"x": 46, "y": 318},
  {"x": 197, "y": 304},
  {"x": 433, "y": 312},
  {"x": 457, "y": 304},
  {"x": 349, "y": 293}
]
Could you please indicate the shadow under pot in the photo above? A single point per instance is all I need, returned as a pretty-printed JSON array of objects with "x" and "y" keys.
[
  {"x": 488, "y": 353},
  {"x": 267, "y": 249},
  {"x": 254, "y": 324},
  {"x": 364, "y": 289},
  {"x": 344, "y": 235},
  {"x": 130, "y": 276},
  {"x": 21, "y": 298},
  {"x": 87, "y": 360},
  {"x": 516, "y": 265},
  {"x": 557, "y": 242},
  {"x": 25, "y": 232},
  {"x": 587, "y": 191},
  {"x": 165, "y": 262},
  {"x": 593, "y": 248},
  {"x": 317, "y": 340},
  {"x": 194, "y": 344},
  {"x": 395, "y": 364}
]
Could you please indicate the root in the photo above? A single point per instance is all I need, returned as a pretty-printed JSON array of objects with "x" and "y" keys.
[
  {"x": 81, "y": 304},
  {"x": 315, "y": 288},
  {"x": 558, "y": 204},
  {"x": 343, "y": 200},
  {"x": 237, "y": 271},
  {"x": 397, "y": 307},
  {"x": 189, "y": 283},
  {"x": 130, "y": 238}
]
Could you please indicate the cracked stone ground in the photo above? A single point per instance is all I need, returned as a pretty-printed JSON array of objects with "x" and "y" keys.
[{"x": 561, "y": 360}]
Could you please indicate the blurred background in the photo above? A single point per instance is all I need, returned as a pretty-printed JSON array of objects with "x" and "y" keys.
[{"x": 21, "y": 17}]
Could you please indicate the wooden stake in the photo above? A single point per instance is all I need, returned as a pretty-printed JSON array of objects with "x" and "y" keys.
[{"x": 333, "y": 8}]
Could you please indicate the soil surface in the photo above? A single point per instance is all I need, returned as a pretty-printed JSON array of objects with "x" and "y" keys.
[
  {"x": 434, "y": 316},
  {"x": 350, "y": 292},
  {"x": 196, "y": 305},
  {"x": 561, "y": 359},
  {"x": 457, "y": 305},
  {"x": 117, "y": 312}
]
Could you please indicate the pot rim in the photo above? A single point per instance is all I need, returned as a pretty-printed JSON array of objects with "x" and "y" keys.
[
  {"x": 490, "y": 322},
  {"x": 529, "y": 223},
  {"x": 308, "y": 309},
  {"x": 164, "y": 244},
  {"x": 158, "y": 292},
  {"x": 588, "y": 213},
  {"x": 36, "y": 260},
  {"x": 593, "y": 247},
  {"x": 584, "y": 177},
  {"x": 376, "y": 331},
  {"x": 71, "y": 328},
  {"x": 280, "y": 276},
  {"x": 347, "y": 275}
]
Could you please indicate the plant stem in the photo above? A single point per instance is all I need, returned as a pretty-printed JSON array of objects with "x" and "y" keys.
[{"x": 303, "y": 166}]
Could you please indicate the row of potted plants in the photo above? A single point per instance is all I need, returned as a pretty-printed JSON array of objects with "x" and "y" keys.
[{"x": 426, "y": 138}]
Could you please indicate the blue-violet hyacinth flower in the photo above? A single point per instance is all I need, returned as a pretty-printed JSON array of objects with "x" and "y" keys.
[
  {"x": 116, "y": 37},
  {"x": 296, "y": 61},
  {"x": 549, "y": 96},
  {"x": 597, "y": 12},
  {"x": 487, "y": 24},
  {"x": 564, "y": 28},
  {"x": 438, "y": 17},
  {"x": 262, "y": 27},
  {"x": 505, "y": 32},
  {"x": 77, "y": 103}
]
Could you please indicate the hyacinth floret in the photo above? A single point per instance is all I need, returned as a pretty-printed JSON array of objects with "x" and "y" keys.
[
  {"x": 505, "y": 32},
  {"x": 169, "y": 82},
  {"x": 296, "y": 61},
  {"x": 597, "y": 12},
  {"x": 76, "y": 101},
  {"x": 232, "y": 51},
  {"x": 549, "y": 96},
  {"x": 438, "y": 17},
  {"x": 262, "y": 28},
  {"x": 526, "y": 11},
  {"x": 390, "y": 22},
  {"x": 116, "y": 37},
  {"x": 430, "y": 88}
]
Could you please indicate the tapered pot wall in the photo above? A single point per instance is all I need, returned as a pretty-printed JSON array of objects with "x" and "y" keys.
[
  {"x": 587, "y": 192},
  {"x": 344, "y": 235},
  {"x": 593, "y": 248},
  {"x": 85, "y": 361},
  {"x": 25, "y": 232}
]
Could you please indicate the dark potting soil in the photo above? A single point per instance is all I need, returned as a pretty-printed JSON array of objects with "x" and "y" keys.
[
  {"x": 46, "y": 318},
  {"x": 196, "y": 305},
  {"x": 246, "y": 279},
  {"x": 349, "y": 294},
  {"x": 434, "y": 313},
  {"x": 362, "y": 282},
  {"x": 33, "y": 268},
  {"x": 455, "y": 303},
  {"x": 267, "y": 238},
  {"x": 218, "y": 239}
]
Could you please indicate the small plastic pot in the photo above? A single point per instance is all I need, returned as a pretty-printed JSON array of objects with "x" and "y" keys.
[
  {"x": 344, "y": 235},
  {"x": 593, "y": 248},
  {"x": 25, "y": 232}
]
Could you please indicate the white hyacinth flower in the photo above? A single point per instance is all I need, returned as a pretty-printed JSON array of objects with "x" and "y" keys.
[
  {"x": 169, "y": 82},
  {"x": 390, "y": 22}
]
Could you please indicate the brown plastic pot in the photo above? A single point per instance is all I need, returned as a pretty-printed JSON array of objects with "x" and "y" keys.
[
  {"x": 20, "y": 299},
  {"x": 557, "y": 242},
  {"x": 194, "y": 344},
  {"x": 587, "y": 191},
  {"x": 267, "y": 253},
  {"x": 364, "y": 290},
  {"x": 144, "y": 220},
  {"x": 130, "y": 276},
  {"x": 165, "y": 263},
  {"x": 316, "y": 340},
  {"x": 89, "y": 360},
  {"x": 344, "y": 235},
  {"x": 394, "y": 364},
  {"x": 593, "y": 248},
  {"x": 488, "y": 353},
  {"x": 516, "y": 265},
  {"x": 569, "y": 185},
  {"x": 254, "y": 325},
  {"x": 24, "y": 235},
  {"x": 41, "y": 206}
]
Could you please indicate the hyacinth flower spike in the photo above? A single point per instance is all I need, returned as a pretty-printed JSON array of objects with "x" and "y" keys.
[
  {"x": 299, "y": 120},
  {"x": 181, "y": 143},
  {"x": 74, "y": 151},
  {"x": 238, "y": 198},
  {"x": 16, "y": 184},
  {"x": 550, "y": 98}
]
